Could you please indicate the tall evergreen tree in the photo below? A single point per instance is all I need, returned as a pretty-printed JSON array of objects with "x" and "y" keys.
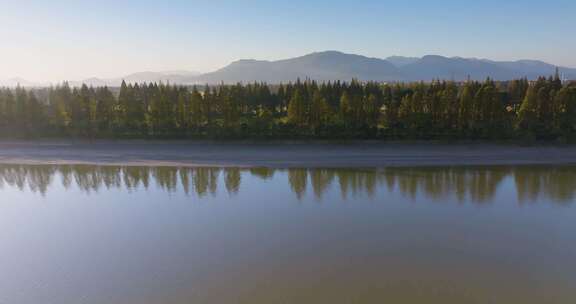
[
  {"x": 319, "y": 111},
  {"x": 528, "y": 114},
  {"x": 297, "y": 109}
]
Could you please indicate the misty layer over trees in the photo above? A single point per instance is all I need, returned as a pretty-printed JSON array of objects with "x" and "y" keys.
[{"x": 544, "y": 109}]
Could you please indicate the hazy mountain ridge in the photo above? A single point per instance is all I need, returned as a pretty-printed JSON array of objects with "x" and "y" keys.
[
  {"x": 323, "y": 66},
  {"x": 176, "y": 77},
  {"x": 16, "y": 81},
  {"x": 334, "y": 65}
]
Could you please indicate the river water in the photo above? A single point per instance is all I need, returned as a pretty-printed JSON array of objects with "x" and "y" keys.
[{"x": 141, "y": 235}]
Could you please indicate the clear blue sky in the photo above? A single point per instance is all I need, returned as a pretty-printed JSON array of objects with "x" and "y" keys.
[{"x": 55, "y": 40}]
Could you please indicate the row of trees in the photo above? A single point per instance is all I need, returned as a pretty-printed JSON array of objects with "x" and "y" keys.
[{"x": 541, "y": 109}]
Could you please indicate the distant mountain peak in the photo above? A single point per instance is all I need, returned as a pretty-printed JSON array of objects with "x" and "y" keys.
[
  {"x": 335, "y": 54},
  {"x": 435, "y": 58},
  {"x": 322, "y": 66},
  {"x": 326, "y": 53}
]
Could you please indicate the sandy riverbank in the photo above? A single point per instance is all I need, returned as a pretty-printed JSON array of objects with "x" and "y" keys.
[{"x": 279, "y": 155}]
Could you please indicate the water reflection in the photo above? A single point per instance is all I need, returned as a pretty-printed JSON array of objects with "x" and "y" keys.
[{"x": 475, "y": 184}]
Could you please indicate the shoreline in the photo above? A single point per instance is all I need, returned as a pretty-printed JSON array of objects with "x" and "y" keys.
[{"x": 286, "y": 154}]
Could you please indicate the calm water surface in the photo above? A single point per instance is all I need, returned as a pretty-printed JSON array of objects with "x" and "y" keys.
[{"x": 128, "y": 235}]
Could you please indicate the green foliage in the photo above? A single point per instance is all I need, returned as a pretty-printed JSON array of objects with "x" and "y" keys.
[
  {"x": 320, "y": 112},
  {"x": 298, "y": 109},
  {"x": 542, "y": 109}
]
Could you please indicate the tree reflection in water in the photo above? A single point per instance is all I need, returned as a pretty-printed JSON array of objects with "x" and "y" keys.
[{"x": 475, "y": 184}]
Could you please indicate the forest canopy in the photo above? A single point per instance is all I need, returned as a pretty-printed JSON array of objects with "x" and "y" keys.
[{"x": 544, "y": 109}]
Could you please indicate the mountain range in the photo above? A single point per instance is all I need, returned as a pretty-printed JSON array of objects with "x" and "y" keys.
[{"x": 334, "y": 65}]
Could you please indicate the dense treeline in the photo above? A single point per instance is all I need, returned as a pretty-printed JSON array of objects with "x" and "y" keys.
[{"x": 543, "y": 109}]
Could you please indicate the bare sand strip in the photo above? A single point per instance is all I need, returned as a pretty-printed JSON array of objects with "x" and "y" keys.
[{"x": 280, "y": 155}]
